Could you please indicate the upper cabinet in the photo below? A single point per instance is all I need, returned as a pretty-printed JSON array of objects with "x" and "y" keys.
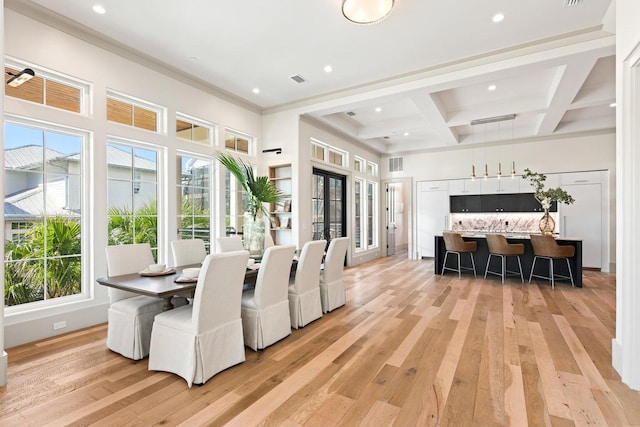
[
  {"x": 465, "y": 186},
  {"x": 503, "y": 185}
]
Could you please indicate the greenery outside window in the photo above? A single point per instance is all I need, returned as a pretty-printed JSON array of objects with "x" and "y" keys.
[
  {"x": 132, "y": 193},
  {"x": 194, "y": 198},
  {"x": 44, "y": 201}
]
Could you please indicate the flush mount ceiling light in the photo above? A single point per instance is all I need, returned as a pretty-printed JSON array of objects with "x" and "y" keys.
[
  {"x": 22, "y": 77},
  {"x": 366, "y": 11}
]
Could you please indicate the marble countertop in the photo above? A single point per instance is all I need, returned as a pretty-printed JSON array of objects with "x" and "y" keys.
[{"x": 510, "y": 235}]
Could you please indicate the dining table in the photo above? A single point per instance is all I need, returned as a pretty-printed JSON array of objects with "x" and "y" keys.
[{"x": 164, "y": 285}]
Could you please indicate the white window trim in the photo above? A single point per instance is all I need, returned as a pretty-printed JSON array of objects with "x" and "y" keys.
[
  {"x": 161, "y": 112},
  {"x": 363, "y": 216},
  {"x": 85, "y": 88},
  {"x": 374, "y": 169},
  {"x": 201, "y": 123},
  {"x": 375, "y": 215},
  {"x": 86, "y": 226},
  {"x": 327, "y": 150},
  {"x": 251, "y": 149},
  {"x": 362, "y": 161}
]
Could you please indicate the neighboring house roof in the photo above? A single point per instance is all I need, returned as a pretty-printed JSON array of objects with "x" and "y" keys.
[
  {"x": 120, "y": 158},
  {"x": 28, "y": 204},
  {"x": 29, "y": 157}
]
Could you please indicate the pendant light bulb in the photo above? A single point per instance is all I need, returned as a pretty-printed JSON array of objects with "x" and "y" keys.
[
  {"x": 473, "y": 173},
  {"x": 513, "y": 169},
  {"x": 486, "y": 171},
  {"x": 499, "y": 170}
]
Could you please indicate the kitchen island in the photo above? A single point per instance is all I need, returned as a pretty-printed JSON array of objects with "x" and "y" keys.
[{"x": 542, "y": 266}]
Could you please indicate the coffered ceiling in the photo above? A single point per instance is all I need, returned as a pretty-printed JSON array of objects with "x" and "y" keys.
[{"x": 415, "y": 81}]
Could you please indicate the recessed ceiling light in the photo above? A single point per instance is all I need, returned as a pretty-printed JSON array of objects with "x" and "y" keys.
[
  {"x": 98, "y": 8},
  {"x": 406, "y": 134},
  {"x": 613, "y": 104},
  {"x": 492, "y": 87},
  {"x": 378, "y": 109},
  {"x": 498, "y": 17},
  {"x": 256, "y": 90},
  {"x": 328, "y": 68}
]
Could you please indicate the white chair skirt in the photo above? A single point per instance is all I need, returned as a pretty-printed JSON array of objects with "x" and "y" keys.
[
  {"x": 304, "y": 308},
  {"x": 264, "y": 327},
  {"x": 196, "y": 358},
  {"x": 332, "y": 294},
  {"x": 130, "y": 322}
]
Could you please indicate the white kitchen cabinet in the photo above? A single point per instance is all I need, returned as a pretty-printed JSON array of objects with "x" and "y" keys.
[
  {"x": 462, "y": 187},
  {"x": 432, "y": 214},
  {"x": 584, "y": 218},
  {"x": 504, "y": 185}
]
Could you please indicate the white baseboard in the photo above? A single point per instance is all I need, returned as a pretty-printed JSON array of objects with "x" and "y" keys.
[{"x": 3, "y": 368}]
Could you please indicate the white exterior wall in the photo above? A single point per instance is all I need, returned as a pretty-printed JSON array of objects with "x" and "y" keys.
[{"x": 63, "y": 52}]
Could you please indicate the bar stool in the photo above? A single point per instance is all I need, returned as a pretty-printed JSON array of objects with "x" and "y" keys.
[
  {"x": 498, "y": 246},
  {"x": 546, "y": 247},
  {"x": 454, "y": 244}
]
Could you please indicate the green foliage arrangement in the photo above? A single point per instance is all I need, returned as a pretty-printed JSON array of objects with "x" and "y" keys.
[
  {"x": 258, "y": 188},
  {"x": 545, "y": 197}
]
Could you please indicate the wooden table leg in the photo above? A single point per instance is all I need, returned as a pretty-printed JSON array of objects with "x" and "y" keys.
[{"x": 168, "y": 305}]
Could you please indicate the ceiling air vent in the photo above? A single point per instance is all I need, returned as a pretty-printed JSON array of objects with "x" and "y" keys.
[
  {"x": 385, "y": 137},
  {"x": 568, "y": 3},
  {"x": 350, "y": 113},
  {"x": 396, "y": 164},
  {"x": 298, "y": 78}
]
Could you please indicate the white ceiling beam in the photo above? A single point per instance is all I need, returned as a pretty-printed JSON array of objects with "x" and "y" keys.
[
  {"x": 434, "y": 113},
  {"x": 564, "y": 90}
]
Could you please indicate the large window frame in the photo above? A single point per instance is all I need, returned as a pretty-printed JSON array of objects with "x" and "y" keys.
[
  {"x": 75, "y": 179},
  {"x": 196, "y": 180},
  {"x": 234, "y": 141},
  {"x": 366, "y": 214},
  {"x": 141, "y": 107},
  {"x": 135, "y": 216},
  {"x": 328, "y": 154},
  {"x": 196, "y": 126}
]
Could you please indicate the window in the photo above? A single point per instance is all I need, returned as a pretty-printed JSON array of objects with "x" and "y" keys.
[
  {"x": 358, "y": 164},
  {"x": 236, "y": 141},
  {"x": 372, "y": 169},
  {"x": 359, "y": 223},
  {"x": 194, "y": 198},
  {"x": 365, "y": 214},
  {"x": 327, "y": 153},
  {"x": 236, "y": 203},
  {"x": 193, "y": 130},
  {"x": 43, "y": 201},
  {"x": 48, "y": 88},
  {"x": 133, "y": 112},
  {"x": 372, "y": 237},
  {"x": 132, "y": 193}
]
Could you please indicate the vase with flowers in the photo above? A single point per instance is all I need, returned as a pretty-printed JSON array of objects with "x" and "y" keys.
[
  {"x": 545, "y": 198},
  {"x": 259, "y": 191}
]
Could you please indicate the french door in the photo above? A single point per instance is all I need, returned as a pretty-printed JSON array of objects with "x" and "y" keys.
[{"x": 329, "y": 209}]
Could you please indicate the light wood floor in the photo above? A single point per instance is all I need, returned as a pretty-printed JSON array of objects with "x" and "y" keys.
[{"x": 408, "y": 349}]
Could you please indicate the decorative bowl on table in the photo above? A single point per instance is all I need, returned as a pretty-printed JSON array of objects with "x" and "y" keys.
[
  {"x": 191, "y": 273},
  {"x": 157, "y": 268}
]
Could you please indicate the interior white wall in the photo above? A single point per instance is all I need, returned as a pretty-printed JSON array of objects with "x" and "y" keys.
[
  {"x": 307, "y": 130},
  {"x": 552, "y": 155},
  {"x": 626, "y": 344},
  {"x": 56, "y": 49}
]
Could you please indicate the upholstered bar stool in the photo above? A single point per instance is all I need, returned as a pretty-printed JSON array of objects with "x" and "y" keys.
[
  {"x": 546, "y": 247},
  {"x": 499, "y": 247},
  {"x": 455, "y": 244}
]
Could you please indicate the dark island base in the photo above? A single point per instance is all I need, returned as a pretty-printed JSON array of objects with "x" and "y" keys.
[{"x": 542, "y": 266}]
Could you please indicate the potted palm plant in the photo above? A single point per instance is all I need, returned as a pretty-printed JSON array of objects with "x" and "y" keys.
[
  {"x": 546, "y": 197},
  {"x": 259, "y": 191}
]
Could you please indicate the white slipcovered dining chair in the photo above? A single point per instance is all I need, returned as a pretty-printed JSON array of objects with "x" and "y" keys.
[
  {"x": 305, "y": 304},
  {"x": 332, "y": 290},
  {"x": 265, "y": 309},
  {"x": 187, "y": 252},
  {"x": 229, "y": 244},
  {"x": 130, "y": 316},
  {"x": 199, "y": 340}
]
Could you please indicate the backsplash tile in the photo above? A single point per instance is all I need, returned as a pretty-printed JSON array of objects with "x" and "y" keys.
[{"x": 526, "y": 222}]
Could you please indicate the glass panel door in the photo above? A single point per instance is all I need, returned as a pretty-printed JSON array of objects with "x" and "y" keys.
[{"x": 328, "y": 205}]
